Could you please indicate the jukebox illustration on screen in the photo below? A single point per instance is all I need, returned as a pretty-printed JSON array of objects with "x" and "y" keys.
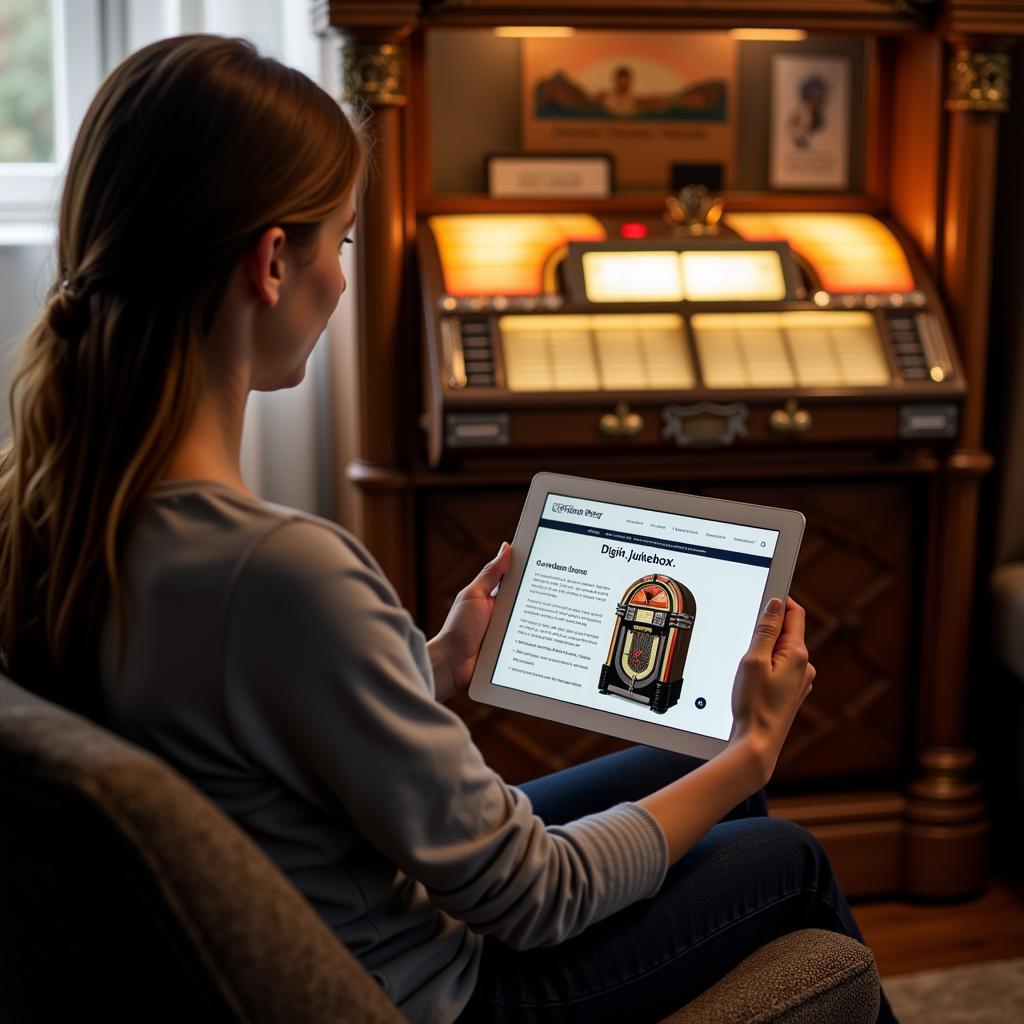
[{"x": 650, "y": 641}]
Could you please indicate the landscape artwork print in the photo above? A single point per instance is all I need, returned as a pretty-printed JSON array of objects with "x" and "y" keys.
[{"x": 650, "y": 100}]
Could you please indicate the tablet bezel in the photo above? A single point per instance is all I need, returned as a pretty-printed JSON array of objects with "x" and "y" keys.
[{"x": 788, "y": 523}]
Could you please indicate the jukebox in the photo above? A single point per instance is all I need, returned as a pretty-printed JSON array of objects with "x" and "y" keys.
[
  {"x": 763, "y": 328},
  {"x": 813, "y": 346},
  {"x": 650, "y": 642}
]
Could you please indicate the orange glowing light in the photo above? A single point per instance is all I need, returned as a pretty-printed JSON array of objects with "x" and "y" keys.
[
  {"x": 851, "y": 252},
  {"x": 504, "y": 254}
]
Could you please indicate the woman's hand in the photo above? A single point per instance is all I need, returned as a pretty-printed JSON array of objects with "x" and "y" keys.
[
  {"x": 453, "y": 652},
  {"x": 773, "y": 679}
]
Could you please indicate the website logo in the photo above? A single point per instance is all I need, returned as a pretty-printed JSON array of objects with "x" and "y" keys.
[{"x": 575, "y": 510}]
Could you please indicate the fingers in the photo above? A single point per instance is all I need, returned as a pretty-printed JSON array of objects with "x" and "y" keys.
[
  {"x": 809, "y": 674},
  {"x": 490, "y": 575},
  {"x": 790, "y": 648},
  {"x": 766, "y": 631},
  {"x": 795, "y": 621}
]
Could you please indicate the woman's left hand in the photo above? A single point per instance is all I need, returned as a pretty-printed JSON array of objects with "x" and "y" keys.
[{"x": 453, "y": 652}]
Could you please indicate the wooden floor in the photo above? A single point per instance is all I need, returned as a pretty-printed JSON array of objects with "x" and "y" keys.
[{"x": 908, "y": 937}]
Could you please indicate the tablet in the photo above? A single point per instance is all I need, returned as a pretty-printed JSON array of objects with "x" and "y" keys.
[{"x": 626, "y": 610}]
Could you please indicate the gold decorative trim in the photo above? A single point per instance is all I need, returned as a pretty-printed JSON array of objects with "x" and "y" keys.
[
  {"x": 978, "y": 81},
  {"x": 373, "y": 73}
]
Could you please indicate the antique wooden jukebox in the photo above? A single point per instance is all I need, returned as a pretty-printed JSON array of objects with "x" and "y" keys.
[
  {"x": 649, "y": 644},
  {"x": 814, "y": 342}
]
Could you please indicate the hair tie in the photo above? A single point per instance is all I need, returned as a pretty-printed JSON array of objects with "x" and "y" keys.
[{"x": 67, "y": 310}]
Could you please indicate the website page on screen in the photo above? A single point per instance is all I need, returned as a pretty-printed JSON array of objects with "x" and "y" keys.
[{"x": 639, "y": 613}]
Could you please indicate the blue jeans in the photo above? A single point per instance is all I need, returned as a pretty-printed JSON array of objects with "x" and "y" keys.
[{"x": 748, "y": 881}]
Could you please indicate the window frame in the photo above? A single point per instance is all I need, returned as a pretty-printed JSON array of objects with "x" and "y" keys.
[{"x": 29, "y": 191}]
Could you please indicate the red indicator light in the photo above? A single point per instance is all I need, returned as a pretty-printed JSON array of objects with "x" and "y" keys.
[{"x": 633, "y": 229}]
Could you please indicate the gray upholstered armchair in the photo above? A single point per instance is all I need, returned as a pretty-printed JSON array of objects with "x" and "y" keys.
[{"x": 127, "y": 896}]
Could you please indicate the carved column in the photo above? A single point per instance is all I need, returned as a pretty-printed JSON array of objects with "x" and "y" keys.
[
  {"x": 947, "y": 830},
  {"x": 374, "y": 353}
]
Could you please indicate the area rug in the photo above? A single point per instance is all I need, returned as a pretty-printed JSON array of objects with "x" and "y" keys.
[{"x": 985, "y": 993}]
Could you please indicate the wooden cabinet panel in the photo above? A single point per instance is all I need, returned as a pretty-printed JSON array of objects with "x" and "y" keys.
[{"x": 855, "y": 577}]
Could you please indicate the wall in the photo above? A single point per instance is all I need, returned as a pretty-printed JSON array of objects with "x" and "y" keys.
[{"x": 474, "y": 80}]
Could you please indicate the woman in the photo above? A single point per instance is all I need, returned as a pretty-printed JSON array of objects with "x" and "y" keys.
[{"x": 262, "y": 652}]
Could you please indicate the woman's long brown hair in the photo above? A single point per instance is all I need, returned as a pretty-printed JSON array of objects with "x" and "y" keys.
[{"x": 191, "y": 148}]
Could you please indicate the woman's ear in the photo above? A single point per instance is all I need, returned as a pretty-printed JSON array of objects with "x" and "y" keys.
[{"x": 265, "y": 266}]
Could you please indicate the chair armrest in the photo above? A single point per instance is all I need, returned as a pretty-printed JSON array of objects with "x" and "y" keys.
[{"x": 807, "y": 977}]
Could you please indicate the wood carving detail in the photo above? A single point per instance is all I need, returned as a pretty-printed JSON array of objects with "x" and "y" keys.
[
  {"x": 373, "y": 73},
  {"x": 978, "y": 81},
  {"x": 853, "y": 578}
]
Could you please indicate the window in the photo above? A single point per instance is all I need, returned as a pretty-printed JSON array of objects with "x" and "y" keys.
[
  {"x": 27, "y": 123},
  {"x": 50, "y": 65}
]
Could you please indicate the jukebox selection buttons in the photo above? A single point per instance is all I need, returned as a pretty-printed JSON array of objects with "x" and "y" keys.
[
  {"x": 920, "y": 351},
  {"x": 477, "y": 352}
]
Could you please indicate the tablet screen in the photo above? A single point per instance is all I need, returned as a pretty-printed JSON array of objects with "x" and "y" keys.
[{"x": 639, "y": 613}]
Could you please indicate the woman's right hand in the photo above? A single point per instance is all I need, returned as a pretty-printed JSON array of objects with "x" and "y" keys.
[{"x": 773, "y": 679}]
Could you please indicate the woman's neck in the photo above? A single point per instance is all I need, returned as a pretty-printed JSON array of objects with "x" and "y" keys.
[{"x": 212, "y": 445}]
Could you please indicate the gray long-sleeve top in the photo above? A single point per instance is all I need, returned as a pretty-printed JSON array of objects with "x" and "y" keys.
[{"x": 270, "y": 661}]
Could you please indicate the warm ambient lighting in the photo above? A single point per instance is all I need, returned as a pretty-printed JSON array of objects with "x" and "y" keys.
[
  {"x": 505, "y": 253},
  {"x": 775, "y": 35},
  {"x": 853, "y": 253},
  {"x": 534, "y": 31}
]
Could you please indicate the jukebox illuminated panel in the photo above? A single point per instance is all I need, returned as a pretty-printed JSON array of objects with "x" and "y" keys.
[
  {"x": 605, "y": 352},
  {"x": 790, "y": 350}
]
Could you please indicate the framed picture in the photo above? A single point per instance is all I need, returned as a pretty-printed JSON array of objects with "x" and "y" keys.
[
  {"x": 652, "y": 100},
  {"x": 549, "y": 176},
  {"x": 810, "y": 139}
]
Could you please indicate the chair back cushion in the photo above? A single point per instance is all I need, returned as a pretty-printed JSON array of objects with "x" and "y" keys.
[{"x": 125, "y": 895}]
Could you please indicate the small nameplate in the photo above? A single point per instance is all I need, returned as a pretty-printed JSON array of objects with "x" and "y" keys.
[
  {"x": 941, "y": 420},
  {"x": 549, "y": 177},
  {"x": 475, "y": 430},
  {"x": 704, "y": 424}
]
